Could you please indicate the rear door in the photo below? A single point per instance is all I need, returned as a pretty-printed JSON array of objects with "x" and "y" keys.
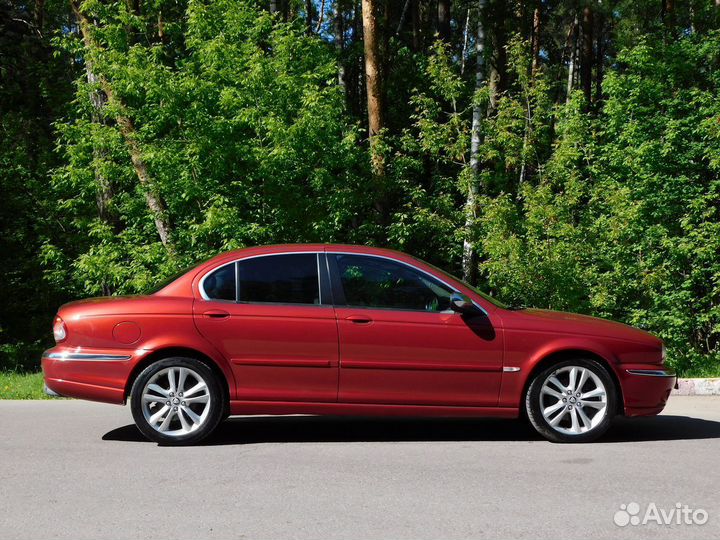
[
  {"x": 272, "y": 317},
  {"x": 401, "y": 344}
]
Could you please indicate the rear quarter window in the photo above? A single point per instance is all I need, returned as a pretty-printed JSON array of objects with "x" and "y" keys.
[{"x": 220, "y": 284}]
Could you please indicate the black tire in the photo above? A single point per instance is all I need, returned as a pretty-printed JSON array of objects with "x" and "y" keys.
[
  {"x": 533, "y": 403},
  {"x": 217, "y": 405}
]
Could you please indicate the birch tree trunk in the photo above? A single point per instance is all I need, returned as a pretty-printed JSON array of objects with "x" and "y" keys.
[
  {"x": 465, "y": 42},
  {"x": 153, "y": 200},
  {"x": 573, "y": 59},
  {"x": 339, "y": 29},
  {"x": 536, "y": 41},
  {"x": 469, "y": 262}
]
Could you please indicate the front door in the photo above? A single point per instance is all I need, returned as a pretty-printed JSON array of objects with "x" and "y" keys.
[
  {"x": 269, "y": 318},
  {"x": 401, "y": 344}
]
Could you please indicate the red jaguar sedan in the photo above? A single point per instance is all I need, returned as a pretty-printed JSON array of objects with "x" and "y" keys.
[{"x": 347, "y": 330}]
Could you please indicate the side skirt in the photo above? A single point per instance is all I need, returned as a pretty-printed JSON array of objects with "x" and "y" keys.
[{"x": 366, "y": 409}]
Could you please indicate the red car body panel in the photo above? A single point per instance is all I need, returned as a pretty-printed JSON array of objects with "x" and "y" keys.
[
  {"x": 418, "y": 358},
  {"x": 287, "y": 353},
  {"x": 323, "y": 359}
]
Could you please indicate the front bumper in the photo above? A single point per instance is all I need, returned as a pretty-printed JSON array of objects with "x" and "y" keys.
[
  {"x": 646, "y": 388},
  {"x": 97, "y": 375},
  {"x": 49, "y": 392}
]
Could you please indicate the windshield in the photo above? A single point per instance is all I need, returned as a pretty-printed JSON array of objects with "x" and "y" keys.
[{"x": 494, "y": 301}]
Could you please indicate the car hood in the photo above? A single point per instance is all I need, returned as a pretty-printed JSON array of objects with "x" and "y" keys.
[{"x": 573, "y": 323}]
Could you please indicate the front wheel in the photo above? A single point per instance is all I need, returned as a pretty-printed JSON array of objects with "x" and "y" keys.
[
  {"x": 177, "y": 401},
  {"x": 571, "y": 401}
]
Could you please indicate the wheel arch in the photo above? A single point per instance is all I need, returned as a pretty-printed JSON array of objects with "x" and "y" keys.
[
  {"x": 186, "y": 352},
  {"x": 553, "y": 357}
]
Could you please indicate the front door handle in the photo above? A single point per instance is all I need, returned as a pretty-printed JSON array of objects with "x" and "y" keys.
[
  {"x": 359, "y": 319},
  {"x": 216, "y": 314}
]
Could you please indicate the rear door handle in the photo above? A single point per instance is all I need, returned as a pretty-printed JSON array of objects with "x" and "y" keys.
[
  {"x": 216, "y": 314},
  {"x": 359, "y": 319}
]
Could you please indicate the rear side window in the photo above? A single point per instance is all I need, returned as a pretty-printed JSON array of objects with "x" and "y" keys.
[
  {"x": 286, "y": 279},
  {"x": 220, "y": 284}
]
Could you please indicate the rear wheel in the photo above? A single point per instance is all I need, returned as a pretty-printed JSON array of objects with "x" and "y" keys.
[
  {"x": 571, "y": 401},
  {"x": 177, "y": 401}
]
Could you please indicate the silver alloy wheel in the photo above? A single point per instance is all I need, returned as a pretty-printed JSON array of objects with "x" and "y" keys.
[
  {"x": 176, "y": 401},
  {"x": 573, "y": 400}
]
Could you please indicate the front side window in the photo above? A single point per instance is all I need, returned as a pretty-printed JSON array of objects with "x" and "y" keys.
[
  {"x": 286, "y": 279},
  {"x": 381, "y": 283},
  {"x": 220, "y": 284}
]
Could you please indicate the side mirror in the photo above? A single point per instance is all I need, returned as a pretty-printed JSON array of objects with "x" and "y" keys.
[{"x": 462, "y": 304}]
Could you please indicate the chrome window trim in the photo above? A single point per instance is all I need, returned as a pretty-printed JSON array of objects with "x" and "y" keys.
[
  {"x": 652, "y": 372},
  {"x": 89, "y": 357},
  {"x": 420, "y": 270},
  {"x": 204, "y": 296}
]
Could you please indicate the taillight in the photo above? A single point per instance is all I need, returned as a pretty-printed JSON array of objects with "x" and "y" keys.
[{"x": 59, "y": 330}]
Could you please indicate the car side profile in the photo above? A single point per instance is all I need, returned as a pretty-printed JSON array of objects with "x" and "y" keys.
[{"x": 347, "y": 330}]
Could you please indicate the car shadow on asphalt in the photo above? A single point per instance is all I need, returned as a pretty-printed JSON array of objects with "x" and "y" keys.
[{"x": 304, "y": 429}]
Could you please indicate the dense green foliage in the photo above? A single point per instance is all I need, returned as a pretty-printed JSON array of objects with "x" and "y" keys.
[{"x": 608, "y": 206}]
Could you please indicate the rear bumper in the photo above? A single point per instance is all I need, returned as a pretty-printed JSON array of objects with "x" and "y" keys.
[
  {"x": 97, "y": 375},
  {"x": 646, "y": 388}
]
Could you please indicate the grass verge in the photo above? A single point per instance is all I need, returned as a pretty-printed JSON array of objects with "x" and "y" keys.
[{"x": 15, "y": 385}]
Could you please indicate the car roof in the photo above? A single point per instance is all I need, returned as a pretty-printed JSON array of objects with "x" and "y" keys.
[{"x": 313, "y": 247}]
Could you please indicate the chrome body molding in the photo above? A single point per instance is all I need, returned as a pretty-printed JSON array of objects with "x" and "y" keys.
[
  {"x": 511, "y": 369},
  {"x": 88, "y": 357},
  {"x": 665, "y": 372}
]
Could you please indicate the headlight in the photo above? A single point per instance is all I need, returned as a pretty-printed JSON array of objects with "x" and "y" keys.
[
  {"x": 59, "y": 330},
  {"x": 663, "y": 353}
]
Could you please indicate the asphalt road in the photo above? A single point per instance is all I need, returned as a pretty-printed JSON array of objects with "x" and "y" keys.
[{"x": 71, "y": 469}]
